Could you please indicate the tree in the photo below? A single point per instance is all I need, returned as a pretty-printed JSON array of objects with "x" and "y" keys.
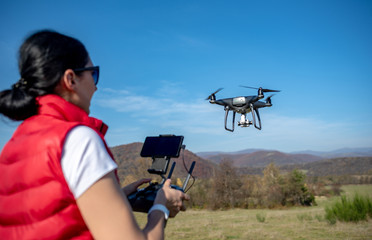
[
  {"x": 296, "y": 191},
  {"x": 272, "y": 186},
  {"x": 225, "y": 186}
]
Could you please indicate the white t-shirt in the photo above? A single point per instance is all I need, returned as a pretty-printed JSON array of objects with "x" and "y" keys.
[{"x": 84, "y": 159}]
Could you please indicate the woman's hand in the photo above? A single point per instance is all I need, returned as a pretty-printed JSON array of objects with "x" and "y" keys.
[
  {"x": 171, "y": 198},
  {"x": 131, "y": 188}
]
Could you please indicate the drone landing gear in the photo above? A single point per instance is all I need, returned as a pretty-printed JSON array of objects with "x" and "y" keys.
[
  {"x": 244, "y": 121},
  {"x": 254, "y": 117},
  {"x": 227, "y": 109}
]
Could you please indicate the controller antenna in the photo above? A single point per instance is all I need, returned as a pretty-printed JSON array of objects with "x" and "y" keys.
[
  {"x": 171, "y": 170},
  {"x": 188, "y": 176},
  {"x": 169, "y": 174}
]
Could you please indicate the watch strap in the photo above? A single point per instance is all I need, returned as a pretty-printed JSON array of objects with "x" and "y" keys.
[{"x": 161, "y": 208}]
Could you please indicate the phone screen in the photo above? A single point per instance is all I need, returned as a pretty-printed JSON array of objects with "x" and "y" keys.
[{"x": 162, "y": 146}]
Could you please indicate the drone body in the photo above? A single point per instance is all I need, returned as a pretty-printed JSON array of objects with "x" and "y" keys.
[{"x": 243, "y": 105}]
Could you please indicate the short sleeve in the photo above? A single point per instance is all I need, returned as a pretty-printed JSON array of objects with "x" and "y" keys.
[{"x": 84, "y": 159}]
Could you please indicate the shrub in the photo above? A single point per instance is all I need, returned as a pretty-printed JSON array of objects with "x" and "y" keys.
[
  {"x": 261, "y": 217},
  {"x": 346, "y": 210}
]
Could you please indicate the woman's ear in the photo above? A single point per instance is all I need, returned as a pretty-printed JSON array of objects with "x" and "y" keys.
[{"x": 69, "y": 80}]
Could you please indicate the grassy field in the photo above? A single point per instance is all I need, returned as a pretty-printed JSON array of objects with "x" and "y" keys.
[{"x": 293, "y": 223}]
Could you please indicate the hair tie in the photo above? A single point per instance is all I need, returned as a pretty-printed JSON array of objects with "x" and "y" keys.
[{"x": 21, "y": 82}]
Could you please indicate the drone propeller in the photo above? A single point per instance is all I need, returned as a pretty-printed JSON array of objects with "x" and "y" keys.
[
  {"x": 212, "y": 95},
  {"x": 263, "y": 89},
  {"x": 268, "y": 99}
]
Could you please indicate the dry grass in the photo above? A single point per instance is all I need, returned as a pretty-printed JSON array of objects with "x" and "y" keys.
[{"x": 293, "y": 223}]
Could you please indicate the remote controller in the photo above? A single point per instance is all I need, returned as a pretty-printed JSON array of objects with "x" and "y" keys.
[{"x": 143, "y": 199}]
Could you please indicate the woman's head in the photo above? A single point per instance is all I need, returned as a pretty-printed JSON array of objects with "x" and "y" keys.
[{"x": 43, "y": 59}]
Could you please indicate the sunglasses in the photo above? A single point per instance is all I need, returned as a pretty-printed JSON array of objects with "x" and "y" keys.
[{"x": 95, "y": 72}]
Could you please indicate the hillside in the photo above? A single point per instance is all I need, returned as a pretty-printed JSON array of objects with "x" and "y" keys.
[
  {"x": 337, "y": 166},
  {"x": 327, "y": 167},
  {"x": 263, "y": 158},
  {"x": 343, "y": 152},
  {"x": 338, "y": 153},
  {"x": 131, "y": 163}
]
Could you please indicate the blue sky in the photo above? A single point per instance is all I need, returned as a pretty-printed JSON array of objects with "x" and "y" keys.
[{"x": 159, "y": 60}]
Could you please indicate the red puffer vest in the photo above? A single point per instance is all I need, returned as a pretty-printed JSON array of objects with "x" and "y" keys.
[{"x": 35, "y": 200}]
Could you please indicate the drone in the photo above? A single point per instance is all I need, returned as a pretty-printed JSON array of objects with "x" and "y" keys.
[{"x": 243, "y": 105}]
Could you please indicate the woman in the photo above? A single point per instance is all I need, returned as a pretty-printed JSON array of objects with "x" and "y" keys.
[{"x": 58, "y": 178}]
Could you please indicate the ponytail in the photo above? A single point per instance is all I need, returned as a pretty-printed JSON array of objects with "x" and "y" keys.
[{"x": 17, "y": 104}]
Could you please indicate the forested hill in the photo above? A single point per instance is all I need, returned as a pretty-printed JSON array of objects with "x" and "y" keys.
[
  {"x": 338, "y": 166},
  {"x": 262, "y": 158},
  {"x": 327, "y": 167}
]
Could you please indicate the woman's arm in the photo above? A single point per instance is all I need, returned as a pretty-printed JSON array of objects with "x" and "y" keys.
[{"x": 108, "y": 215}]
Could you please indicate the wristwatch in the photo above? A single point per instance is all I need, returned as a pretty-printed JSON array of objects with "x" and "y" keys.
[{"x": 161, "y": 208}]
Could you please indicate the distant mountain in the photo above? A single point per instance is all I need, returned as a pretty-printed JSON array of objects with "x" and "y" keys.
[
  {"x": 263, "y": 158},
  {"x": 260, "y": 157},
  {"x": 343, "y": 152},
  {"x": 336, "y": 166},
  {"x": 327, "y": 167},
  {"x": 208, "y": 154}
]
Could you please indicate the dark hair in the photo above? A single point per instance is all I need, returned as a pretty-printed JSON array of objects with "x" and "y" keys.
[{"x": 43, "y": 58}]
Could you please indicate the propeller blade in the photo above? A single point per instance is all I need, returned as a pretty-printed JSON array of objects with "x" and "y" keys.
[
  {"x": 210, "y": 96},
  {"x": 263, "y": 89},
  {"x": 269, "y": 90},
  {"x": 217, "y": 90},
  {"x": 248, "y": 87},
  {"x": 268, "y": 99}
]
